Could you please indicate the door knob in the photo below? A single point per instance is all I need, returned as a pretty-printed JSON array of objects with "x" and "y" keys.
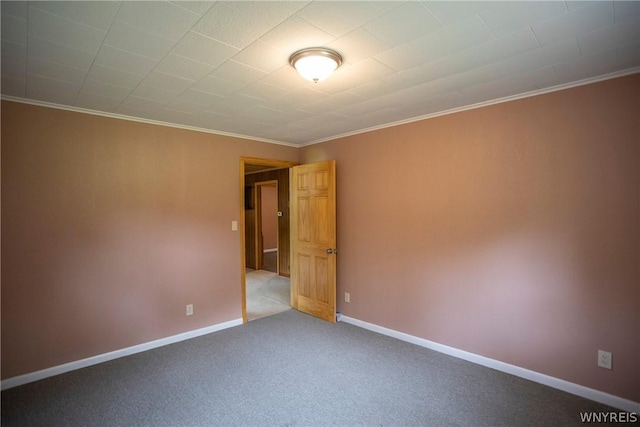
[{"x": 332, "y": 251}]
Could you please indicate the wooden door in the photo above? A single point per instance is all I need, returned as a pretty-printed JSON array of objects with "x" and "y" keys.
[{"x": 313, "y": 239}]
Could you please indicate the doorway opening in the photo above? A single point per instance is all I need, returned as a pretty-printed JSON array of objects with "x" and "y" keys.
[{"x": 264, "y": 292}]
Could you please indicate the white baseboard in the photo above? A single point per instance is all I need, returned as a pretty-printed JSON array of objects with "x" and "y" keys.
[
  {"x": 270, "y": 250},
  {"x": 78, "y": 364},
  {"x": 582, "y": 391}
]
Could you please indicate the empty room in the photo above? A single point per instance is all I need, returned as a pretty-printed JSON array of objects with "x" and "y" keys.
[{"x": 453, "y": 201}]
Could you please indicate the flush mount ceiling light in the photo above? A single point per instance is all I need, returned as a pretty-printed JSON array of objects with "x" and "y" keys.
[{"x": 315, "y": 63}]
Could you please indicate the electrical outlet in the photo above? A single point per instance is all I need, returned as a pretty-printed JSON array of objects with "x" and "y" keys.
[
  {"x": 347, "y": 297},
  {"x": 604, "y": 359},
  {"x": 189, "y": 309}
]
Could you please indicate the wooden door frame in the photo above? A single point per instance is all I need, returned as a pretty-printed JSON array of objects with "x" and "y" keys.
[
  {"x": 257, "y": 194},
  {"x": 269, "y": 163}
]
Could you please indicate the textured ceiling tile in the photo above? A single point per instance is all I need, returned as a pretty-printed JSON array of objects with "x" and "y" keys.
[
  {"x": 339, "y": 18},
  {"x": 124, "y": 60},
  {"x": 17, "y": 9},
  {"x": 469, "y": 78},
  {"x": 94, "y": 87},
  {"x": 52, "y": 70},
  {"x": 184, "y": 67},
  {"x": 454, "y": 38},
  {"x": 185, "y": 106},
  {"x": 367, "y": 45},
  {"x": 241, "y": 24},
  {"x": 372, "y": 89},
  {"x": 407, "y": 78},
  {"x": 14, "y": 29},
  {"x": 263, "y": 114},
  {"x": 574, "y": 23},
  {"x": 97, "y": 14},
  {"x": 367, "y": 70},
  {"x": 216, "y": 86},
  {"x": 433, "y": 104},
  {"x": 14, "y": 70},
  {"x": 197, "y": 97},
  {"x": 135, "y": 40},
  {"x": 525, "y": 81},
  {"x": 115, "y": 77},
  {"x": 290, "y": 113},
  {"x": 415, "y": 21},
  {"x": 450, "y": 12},
  {"x": 238, "y": 73},
  {"x": 540, "y": 78},
  {"x": 154, "y": 94},
  {"x": 204, "y": 49},
  {"x": 262, "y": 56},
  {"x": 507, "y": 17},
  {"x": 97, "y": 102},
  {"x": 43, "y": 94},
  {"x": 582, "y": 67},
  {"x": 541, "y": 57},
  {"x": 172, "y": 116},
  {"x": 199, "y": 7},
  {"x": 302, "y": 96},
  {"x": 319, "y": 120},
  {"x": 624, "y": 10},
  {"x": 375, "y": 118},
  {"x": 609, "y": 37},
  {"x": 53, "y": 52},
  {"x": 441, "y": 43},
  {"x": 402, "y": 56},
  {"x": 515, "y": 43},
  {"x": 14, "y": 87},
  {"x": 334, "y": 102},
  {"x": 36, "y": 82},
  {"x": 158, "y": 17},
  {"x": 263, "y": 91},
  {"x": 167, "y": 81},
  {"x": 402, "y": 59},
  {"x": 135, "y": 106},
  {"x": 65, "y": 32},
  {"x": 483, "y": 54},
  {"x": 223, "y": 108},
  {"x": 285, "y": 77},
  {"x": 295, "y": 34},
  {"x": 12, "y": 52}
]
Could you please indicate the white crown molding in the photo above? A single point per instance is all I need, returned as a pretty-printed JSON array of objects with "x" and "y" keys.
[
  {"x": 557, "y": 88},
  {"x": 569, "y": 387},
  {"x": 140, "y": 120},
  {"x": 78, "y": 364}
]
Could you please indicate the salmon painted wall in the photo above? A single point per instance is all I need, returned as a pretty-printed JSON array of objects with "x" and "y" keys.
[
  {"x": 109, "y": 228},
  {"x": 511, "y": 231}
]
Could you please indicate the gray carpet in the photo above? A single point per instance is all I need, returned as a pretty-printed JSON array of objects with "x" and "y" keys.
[
  {"x": 290, "y": 369},
  {"x": 267, "y": 294}
]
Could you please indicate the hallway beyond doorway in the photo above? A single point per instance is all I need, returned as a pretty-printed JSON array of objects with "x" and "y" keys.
[{"x": 267, "y": 293}]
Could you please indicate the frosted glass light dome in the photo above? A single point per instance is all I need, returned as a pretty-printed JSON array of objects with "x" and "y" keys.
[{"x": 315, "y": 64}]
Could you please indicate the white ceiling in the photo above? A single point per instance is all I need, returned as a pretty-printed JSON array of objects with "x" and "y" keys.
[{"x": 223, "y": 66}]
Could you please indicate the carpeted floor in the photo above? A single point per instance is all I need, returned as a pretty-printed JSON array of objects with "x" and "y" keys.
[
  {"x": 267, "y": 294},
  {"x": 290, "y": 369}
]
